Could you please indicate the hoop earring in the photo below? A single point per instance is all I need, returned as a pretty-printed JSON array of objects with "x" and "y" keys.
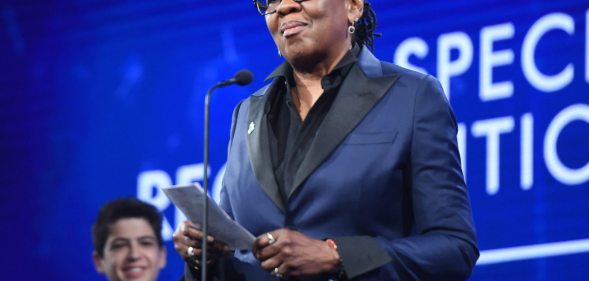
[{"x": 351, "y": 29}]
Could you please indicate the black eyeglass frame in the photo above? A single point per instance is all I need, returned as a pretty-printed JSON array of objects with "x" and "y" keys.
[{"x": 263, "y": 8}]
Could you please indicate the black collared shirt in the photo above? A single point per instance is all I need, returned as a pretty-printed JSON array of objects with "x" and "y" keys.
[{"x": 291, "y": 137}]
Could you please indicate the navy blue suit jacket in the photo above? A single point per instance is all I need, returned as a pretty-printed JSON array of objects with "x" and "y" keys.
[{"x": 383, "y": 172}]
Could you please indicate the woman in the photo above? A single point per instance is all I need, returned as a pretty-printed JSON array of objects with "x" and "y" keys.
[{"x": 346, "y": 167}]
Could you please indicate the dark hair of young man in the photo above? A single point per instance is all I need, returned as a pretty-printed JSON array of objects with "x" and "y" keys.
[{"x": 123, "y": 209}]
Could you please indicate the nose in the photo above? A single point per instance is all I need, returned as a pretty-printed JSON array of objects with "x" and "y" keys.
[
  {"x": 134, "y": 252},
  {"x": 288, "y": 6}
]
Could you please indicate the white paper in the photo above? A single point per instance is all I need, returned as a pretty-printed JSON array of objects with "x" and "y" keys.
[{"x": 189, "y": 199}]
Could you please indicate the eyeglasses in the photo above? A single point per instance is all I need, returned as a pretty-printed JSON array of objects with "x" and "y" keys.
[{"x": 266, "y": 7}]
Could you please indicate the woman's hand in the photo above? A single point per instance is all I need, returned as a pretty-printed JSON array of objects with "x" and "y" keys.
[
  {"x": 289, "y": 252},
  {"x": 187, "y": 242}
]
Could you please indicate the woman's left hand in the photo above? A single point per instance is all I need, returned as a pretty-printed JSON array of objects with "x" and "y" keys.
[{"x": 288, "y": 252}]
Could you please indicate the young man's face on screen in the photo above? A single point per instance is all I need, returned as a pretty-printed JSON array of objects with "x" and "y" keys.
[{"x": 131, "y": 252}]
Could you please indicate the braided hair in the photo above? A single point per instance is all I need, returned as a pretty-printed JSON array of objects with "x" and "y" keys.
[{"x": 365, "y": 27}]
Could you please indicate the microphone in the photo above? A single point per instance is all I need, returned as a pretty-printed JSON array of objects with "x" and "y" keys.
[{"x": 241, "y": 78}]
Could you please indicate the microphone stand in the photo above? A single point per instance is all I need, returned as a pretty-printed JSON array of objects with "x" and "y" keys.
[
  {"x": 203, "y": 269},
  {"x": 243, "y": 77}
]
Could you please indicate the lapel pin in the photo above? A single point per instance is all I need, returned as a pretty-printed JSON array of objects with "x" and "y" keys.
[{"x": 251, "y": 128}]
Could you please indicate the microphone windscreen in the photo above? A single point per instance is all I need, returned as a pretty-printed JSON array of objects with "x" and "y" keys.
[{"x": 243, "y": 77}]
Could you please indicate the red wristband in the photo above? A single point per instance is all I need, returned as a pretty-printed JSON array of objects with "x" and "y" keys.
[
  {"x": 331, "y": 244},
  {"x": 340, "y": 274}
]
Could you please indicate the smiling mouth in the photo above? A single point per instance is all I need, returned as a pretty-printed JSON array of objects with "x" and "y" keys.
[
  {"x": 291, "y": 28},
  {"x": 133, "y": 272}
]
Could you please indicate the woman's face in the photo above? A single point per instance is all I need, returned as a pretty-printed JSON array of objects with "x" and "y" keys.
[{"x": 312, "y": 30}]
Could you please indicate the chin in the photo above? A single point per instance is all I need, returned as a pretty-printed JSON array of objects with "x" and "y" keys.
[{"x": 305, "y": 61}]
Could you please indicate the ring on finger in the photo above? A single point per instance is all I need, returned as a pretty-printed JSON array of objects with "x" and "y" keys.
[
  {"x": 276, "y": 273},
  {"x": 271, "y": 239},
  {"x": 190, "y": 252}
]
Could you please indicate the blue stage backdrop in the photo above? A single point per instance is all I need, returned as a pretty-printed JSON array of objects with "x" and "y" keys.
[{"x": 103, "y": 99}]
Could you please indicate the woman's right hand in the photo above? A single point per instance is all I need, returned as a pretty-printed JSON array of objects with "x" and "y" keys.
[{"x": 187, "y": 235}]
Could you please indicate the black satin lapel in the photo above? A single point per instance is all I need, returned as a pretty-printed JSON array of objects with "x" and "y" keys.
[
  {"x": 259, "y": 148},
  {"x": 356, "y": 98}
]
